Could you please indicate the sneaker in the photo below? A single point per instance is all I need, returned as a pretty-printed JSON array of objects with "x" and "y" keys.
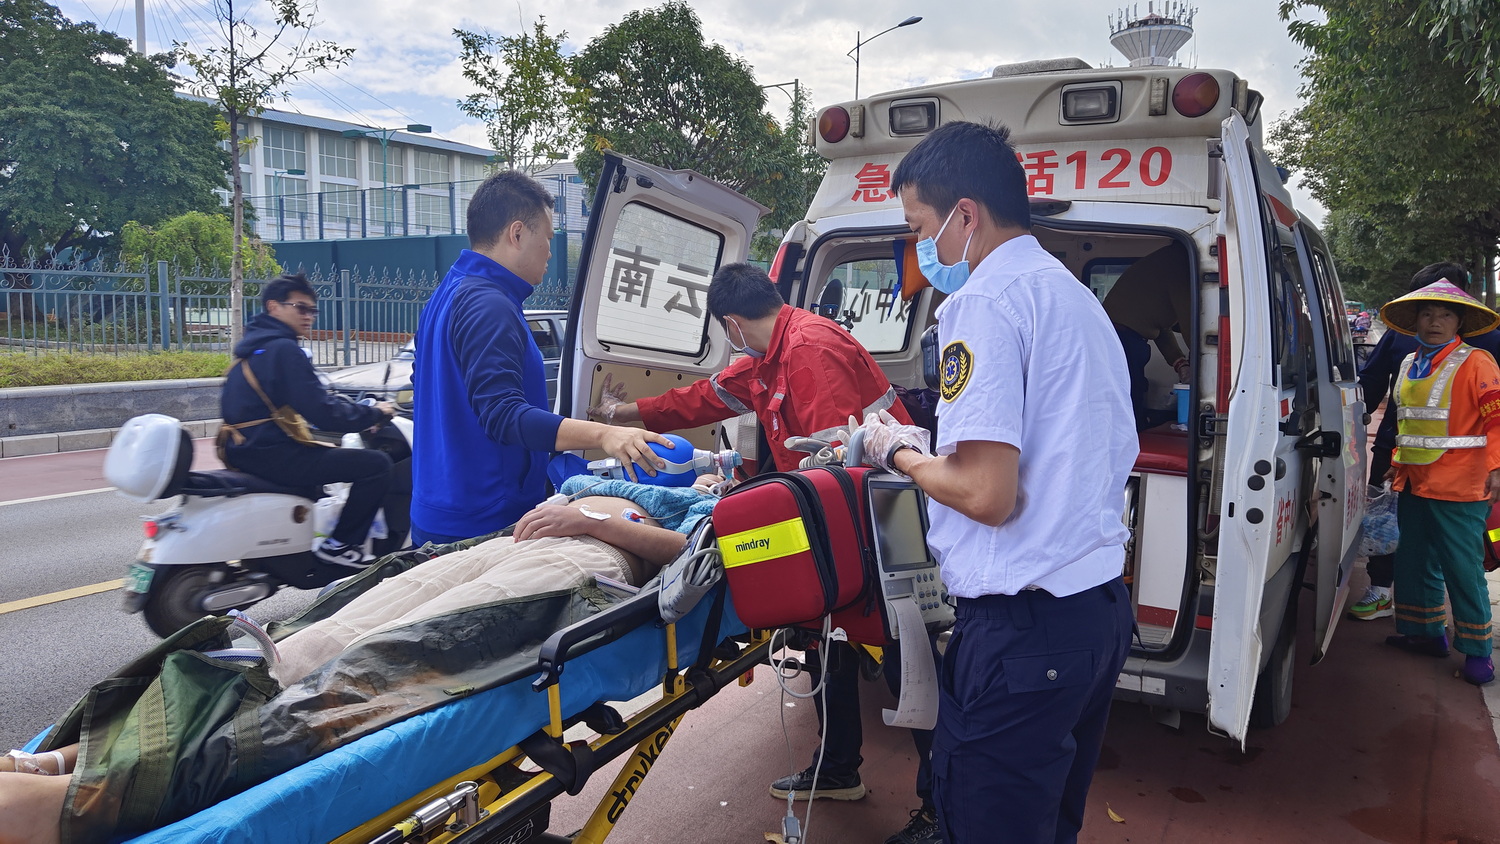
[
  {"x": 1479, "y": 670},
  {"x": 1375, "y": 603},
  {"x": 921, "y": 829},
  {"x": 330, "y": 550},
  {"x": 830, "y": 786},
  {"x": 1424, "y": 645}
]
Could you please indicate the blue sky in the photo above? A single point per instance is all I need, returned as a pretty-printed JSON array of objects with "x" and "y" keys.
[{"x": 405, "y": 66}]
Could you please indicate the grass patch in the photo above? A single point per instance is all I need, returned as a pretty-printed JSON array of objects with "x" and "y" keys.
[{"x": 20, "y": 369}]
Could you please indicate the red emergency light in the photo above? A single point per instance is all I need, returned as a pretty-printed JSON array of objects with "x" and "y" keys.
[
  {"x": 833, "y": 124},
  {"x": 1195, "y": 94}
]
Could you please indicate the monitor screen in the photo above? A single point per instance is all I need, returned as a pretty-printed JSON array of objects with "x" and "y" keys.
[{"x": 900, "y": 527}]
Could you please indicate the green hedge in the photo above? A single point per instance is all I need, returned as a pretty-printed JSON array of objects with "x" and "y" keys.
[{"x": 21, "y": 369}]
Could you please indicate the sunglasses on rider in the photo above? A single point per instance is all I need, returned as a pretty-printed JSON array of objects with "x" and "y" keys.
[{"x": 304, "y": 309}]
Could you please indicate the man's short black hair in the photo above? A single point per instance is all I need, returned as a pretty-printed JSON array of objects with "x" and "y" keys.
[
  {"x": 742, "y": 290},
  {"x": 1448, "y": 271},
  {"x": 503, "y": 199},
  {"x": 279, "y": 288},
  {"x": 970, "y": 160}
]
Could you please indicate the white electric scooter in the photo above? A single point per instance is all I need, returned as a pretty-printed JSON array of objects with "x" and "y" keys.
[{"x": 233, "y": 539}]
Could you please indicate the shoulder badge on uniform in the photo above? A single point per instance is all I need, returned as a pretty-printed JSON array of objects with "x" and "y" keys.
[{"x": 958, "y": 365}]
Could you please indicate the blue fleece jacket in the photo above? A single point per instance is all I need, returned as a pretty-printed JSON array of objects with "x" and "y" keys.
[{"x": 483, "y": 433}]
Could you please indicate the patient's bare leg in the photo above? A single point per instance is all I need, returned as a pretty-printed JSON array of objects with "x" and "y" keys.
[{"x": 31, "y": 806}]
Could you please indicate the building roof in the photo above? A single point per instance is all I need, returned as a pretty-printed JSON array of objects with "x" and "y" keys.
[{"x": 308, "y": 121}]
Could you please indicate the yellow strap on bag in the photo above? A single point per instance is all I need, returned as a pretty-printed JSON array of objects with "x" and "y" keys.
[{"x": 770, "y": 542}]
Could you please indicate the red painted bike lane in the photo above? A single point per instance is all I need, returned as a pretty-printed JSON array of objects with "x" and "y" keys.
[{"x": 73, "y": 471}]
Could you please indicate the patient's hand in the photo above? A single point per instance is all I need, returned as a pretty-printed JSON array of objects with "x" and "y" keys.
[{"x": 553, "y": 520}]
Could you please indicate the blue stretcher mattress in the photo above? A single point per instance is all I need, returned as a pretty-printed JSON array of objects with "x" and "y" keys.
[{"x": 342, "y": 789}]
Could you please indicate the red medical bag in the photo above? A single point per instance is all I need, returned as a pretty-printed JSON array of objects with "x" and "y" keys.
[{"x": 796, "y": 547}]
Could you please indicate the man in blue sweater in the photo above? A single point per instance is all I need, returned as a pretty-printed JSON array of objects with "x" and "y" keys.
[
  {"x": 1376, "y": 378},
  {"x": 484, "y": 434}
]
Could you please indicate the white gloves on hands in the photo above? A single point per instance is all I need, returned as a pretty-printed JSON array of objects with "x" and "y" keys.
[
  {"x": 884, "y": 436},
  {"x": 611, "y": 396}
]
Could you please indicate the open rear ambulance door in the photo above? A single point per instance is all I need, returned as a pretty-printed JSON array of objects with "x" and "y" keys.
[
  {"x": 1249, "y": 517},
  {"x": 1339, "y": 445},
  {"x": 640, "y": 305}
]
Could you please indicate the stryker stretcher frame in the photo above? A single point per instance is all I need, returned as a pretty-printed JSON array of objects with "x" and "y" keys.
[{"x": 618, "y": 654}]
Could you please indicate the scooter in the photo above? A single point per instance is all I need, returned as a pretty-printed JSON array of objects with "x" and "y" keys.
[{"x": 234, "y": 539}]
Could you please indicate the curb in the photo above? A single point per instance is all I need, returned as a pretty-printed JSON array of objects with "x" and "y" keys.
[{"x": 31, "y": 445}]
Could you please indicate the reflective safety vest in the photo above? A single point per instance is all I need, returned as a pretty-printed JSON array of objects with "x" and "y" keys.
[{"x": 1422, "y": 412}]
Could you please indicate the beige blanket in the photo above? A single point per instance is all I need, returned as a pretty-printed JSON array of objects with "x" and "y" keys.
[{"x": 499, "y": 569}]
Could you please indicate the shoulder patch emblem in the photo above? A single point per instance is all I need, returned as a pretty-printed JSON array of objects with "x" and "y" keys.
[{"x": 958, "y": 365}]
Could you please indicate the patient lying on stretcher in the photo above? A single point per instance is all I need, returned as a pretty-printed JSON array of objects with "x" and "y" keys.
[{"x": 553, "y": 547}]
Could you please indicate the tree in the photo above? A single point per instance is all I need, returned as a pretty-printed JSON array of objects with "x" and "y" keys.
[
  {"x": 241, "y": 76},
  {"x": 198, "y": 243},
  {"x": 92, "y": 135},
  {"x": 1392, "y": 136},
  {"x": 1465, "y": 33},
  {"x": 796, "y": 171},
  {"x": 657, "y": 91},
  {"x": 526, "y": 97}
]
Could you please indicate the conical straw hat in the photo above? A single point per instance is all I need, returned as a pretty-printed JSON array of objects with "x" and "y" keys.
[{"x": 1474, "y": 318}]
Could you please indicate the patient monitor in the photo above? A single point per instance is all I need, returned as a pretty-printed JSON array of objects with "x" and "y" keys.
[{"x": 907, "y": 569}]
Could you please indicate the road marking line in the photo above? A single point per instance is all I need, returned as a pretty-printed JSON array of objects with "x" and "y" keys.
[
  {"x": 55, "y": 597},
  {"x": 58, "y": 495}
]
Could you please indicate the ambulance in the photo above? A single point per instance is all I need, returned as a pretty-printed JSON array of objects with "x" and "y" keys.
[{"x": 1250, "y": 492}]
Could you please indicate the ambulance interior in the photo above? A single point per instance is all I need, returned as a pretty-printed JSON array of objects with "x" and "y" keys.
[{"x": 857, "y": 281}]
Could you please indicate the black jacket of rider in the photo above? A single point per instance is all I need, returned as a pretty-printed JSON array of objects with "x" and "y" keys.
[{"x": 284, "y": 372}]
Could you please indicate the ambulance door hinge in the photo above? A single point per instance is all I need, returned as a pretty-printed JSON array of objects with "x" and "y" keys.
[
  {"x": 622, "y": 178},
  {"x": 1212, "y": 426}
]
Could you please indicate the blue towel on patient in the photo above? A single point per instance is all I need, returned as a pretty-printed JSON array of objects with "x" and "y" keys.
[{"x": 673, "y": 507}]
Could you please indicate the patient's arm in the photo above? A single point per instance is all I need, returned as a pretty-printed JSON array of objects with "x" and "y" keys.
[{"x": 654, "y": 545}]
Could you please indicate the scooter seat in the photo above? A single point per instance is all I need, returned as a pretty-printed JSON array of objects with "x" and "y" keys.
[{"x": 227, "y": 483}]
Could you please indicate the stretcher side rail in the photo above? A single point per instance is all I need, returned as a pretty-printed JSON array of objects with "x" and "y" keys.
[{"x": 593, "y": 633}]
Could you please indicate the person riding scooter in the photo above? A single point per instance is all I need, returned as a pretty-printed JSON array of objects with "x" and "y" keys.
[{"x": 272, "y": 392}]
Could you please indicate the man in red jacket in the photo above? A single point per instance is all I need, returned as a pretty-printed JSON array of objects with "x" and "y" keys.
[{"x": 802, "y": 375}]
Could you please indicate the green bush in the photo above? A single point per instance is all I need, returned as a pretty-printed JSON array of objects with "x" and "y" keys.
[{"x": 19, "y": 369}]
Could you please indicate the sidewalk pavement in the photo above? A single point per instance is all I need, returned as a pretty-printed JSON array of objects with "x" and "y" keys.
[
  {"x": 29, "y": 445},
  {"x": 1492, "y": 691}
]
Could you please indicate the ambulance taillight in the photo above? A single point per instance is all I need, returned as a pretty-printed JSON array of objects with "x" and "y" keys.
[
  {"x": 833, "y": 124},
  {"x": 1195, "y": 94}
]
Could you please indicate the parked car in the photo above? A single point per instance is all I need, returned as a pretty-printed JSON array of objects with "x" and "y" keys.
[{"x": 381, "y": 381}]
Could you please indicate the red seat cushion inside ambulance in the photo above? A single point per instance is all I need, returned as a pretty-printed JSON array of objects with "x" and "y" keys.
[{"x": 1163, "y": 451}]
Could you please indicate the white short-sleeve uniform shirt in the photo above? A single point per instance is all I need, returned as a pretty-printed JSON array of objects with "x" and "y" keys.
[{"x": 1030, "y": 359}]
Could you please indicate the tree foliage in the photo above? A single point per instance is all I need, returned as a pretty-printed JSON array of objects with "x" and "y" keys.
[
  {"x": 194, "y": 243},
  {"x": 1392, "y": 140},
  {"x": 1464, "y": 31},
  {"x": 656, "y": 90},
  {"x": 245, "y": 73},
  {"x": 92, "y": 135},
  {"x": 526, "y": 96}
]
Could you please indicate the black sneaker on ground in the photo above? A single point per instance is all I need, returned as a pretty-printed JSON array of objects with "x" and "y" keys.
[
  {"x": 921, "y": 829},
  {"x": 332, "y": 551},
  {"x": 831, "y": 786}
]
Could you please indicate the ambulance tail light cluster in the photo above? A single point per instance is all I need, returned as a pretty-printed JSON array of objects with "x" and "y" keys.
[
  {"x": 1195, "y": 94},
  {"x": 913, "y": 117},
  {"x": 1090, "y": 102},
  {"x": 837, "y": 123}
]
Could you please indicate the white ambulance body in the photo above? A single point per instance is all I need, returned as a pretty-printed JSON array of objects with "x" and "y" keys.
[{"x": 1262, "y": 491}]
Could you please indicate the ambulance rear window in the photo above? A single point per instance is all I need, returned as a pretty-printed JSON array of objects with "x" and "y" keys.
[
  {"x": 864, "y": 296},
  {"x": 656, "y": 281},
  {"x": 1102, "y": 273}
]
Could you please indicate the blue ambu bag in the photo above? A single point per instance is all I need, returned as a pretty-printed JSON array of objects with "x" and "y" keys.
[{"x": 1379, "y": 530}]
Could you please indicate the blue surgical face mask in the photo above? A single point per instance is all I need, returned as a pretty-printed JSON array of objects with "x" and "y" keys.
[
  {"x": 945, "y": 277},
  {"x": 740, "y": 348}
]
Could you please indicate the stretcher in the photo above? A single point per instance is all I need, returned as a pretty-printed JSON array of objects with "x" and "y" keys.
[{"x": 465, "y": 759}]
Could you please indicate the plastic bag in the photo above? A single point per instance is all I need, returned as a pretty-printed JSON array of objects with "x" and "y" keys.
[{"x": 1379, "y": 530}]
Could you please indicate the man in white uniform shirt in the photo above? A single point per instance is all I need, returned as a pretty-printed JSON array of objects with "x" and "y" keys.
[{"x": 1035, "y": 441}]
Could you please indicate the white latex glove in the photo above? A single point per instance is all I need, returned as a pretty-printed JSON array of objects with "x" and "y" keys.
[
  {"x": 884, "y": 436},
  {"x": 611, "y": 396}
]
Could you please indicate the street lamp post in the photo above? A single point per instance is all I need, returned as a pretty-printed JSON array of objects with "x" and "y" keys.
[
  {"x": 385, "y": 136},
  {"x": 854, "y": 53},
  {"x": 280, "y": 200}
]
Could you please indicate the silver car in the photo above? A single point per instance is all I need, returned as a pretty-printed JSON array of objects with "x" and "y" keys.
[{"x": 381, "y": 381}]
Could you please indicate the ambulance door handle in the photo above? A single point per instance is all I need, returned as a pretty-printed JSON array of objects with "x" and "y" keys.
[{"x": 1322, "y": 443}]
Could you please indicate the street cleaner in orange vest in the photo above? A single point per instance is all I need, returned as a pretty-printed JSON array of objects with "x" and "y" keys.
[{"x": 1447, "y": 467}]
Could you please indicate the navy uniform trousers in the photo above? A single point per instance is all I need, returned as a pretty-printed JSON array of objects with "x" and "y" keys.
[{"x": 1024, "y": 693}]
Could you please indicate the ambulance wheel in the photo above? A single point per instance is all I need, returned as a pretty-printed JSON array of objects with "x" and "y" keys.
[
  {"x": 1273, "y": 688},
  {"x": 176, "y": 596}
]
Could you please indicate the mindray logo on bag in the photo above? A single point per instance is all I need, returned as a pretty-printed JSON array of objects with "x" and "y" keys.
[{"x": 752, "y": 545}]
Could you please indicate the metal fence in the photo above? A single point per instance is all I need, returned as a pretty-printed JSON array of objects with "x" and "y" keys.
[
  {"x": 104, "y": 306},
  {"x": 338, "y": 211}
]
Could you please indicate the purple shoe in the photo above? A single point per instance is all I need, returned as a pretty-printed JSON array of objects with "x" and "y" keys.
[
  {"x": 1424, "y": 645},
  {"x": 1479, "y": 670}
]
